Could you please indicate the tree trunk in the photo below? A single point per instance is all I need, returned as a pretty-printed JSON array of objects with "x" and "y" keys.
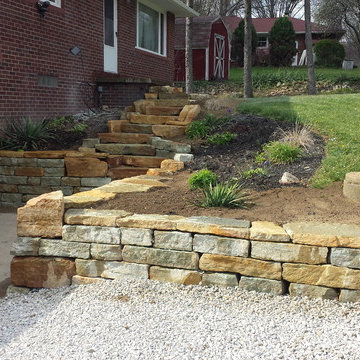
[
  {"x": 188, "y": 53},
  {"x": 309, "y": 49},
  {"x": 248, "y": 89}
]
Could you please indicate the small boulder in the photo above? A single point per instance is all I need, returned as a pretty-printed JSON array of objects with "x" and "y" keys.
[{"x": 288, "y": 178}]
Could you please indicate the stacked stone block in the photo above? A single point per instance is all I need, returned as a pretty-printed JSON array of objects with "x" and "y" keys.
[{"x": 300, "y": 259}]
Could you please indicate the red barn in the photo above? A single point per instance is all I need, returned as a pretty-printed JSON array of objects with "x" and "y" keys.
[
  {"x": 60, "y": 57},
  {"x": 210, "y": 48}
]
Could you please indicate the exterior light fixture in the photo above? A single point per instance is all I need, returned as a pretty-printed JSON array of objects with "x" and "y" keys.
[
  {"x": 42, "y": 6},
  {"x": 75, "y": 50}
]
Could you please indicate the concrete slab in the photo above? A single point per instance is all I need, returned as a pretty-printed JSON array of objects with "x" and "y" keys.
[{"x": 7, "y": 236}]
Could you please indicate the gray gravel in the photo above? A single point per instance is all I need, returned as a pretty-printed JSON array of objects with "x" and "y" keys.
[{"x": 151, "y": 320}]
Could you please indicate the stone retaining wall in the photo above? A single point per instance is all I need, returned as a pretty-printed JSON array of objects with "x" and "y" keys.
[{"x": 57, "y": 247}]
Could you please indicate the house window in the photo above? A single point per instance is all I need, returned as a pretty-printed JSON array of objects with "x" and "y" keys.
[
  {"x": 151, "y": 29},
  {"x": 262, "y": 41},
  {"x": 56, "y": 3}
]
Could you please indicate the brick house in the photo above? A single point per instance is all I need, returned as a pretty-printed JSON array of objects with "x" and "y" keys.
[
  {"x": 264, "y": 25},
  {"x": 63, "y": 56},
  {"x": 210, "y": 48}
]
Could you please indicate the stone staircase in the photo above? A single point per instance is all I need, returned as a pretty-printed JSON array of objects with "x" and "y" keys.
[{"x": 142, "y": 140}]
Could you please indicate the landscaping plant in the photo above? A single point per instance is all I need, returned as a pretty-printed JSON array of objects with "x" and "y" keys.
[
  {"x": 224, "y": 195},
  {"x": 248, "y": 174},
  {"x": 221, "y": 139},
  {"x": 300, "y": 135},
  {"x": 282, "y": 42},
  {"x": 329, "y": 53},
  {"x": 202, "y": 179},
  {"x": 278, "y": 152}
]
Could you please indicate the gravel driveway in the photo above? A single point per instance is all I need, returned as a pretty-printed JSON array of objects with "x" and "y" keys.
[{"x": 151, "y": 320}]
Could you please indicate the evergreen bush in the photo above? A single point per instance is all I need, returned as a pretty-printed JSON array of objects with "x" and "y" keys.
[{"x": 329, "y": 53}]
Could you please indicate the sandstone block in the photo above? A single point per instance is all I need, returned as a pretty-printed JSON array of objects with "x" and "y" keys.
[
  {"x": 163, "y": 110},
  {"x": 26, "y": 198},
  {"x": 11, "y": 154},
  {"x": 172, "y": 146},
  {"x": 184, "y": 157},
  {"x": 313, "y": 291},
  {"x": 151, "y": 96},
  {"x": 83, "y": 280},
  {"x": 221, "y": 245},
  {"x": 349, "y": 295},
  {"x": 172, "y": 165},
  {"x": 51, "y": 181},
  {"x": 289, "y": 252},
  {"x": 90, "y": 142},
  {"x": 126, "y": 149},
  {"x": 42, "y": 216},
  {"x": 142, "y": 237},
  {"x": 87, "y": 198},
  {"x": 322, "y": 234},
  {"x": 5, "y": 188},
  {"x": 323, "y": 275},
  {"x": 40, "y": 272},
  {"x": 34, "y": 180},
  {"x": 54, "y": 172},
  {"x": 239, "y": 265},
  {"x": 91, "y": 234},
  {"x": 85, "y": 167},
  {"x": 177, "y": 276},
  {"x": 167, "y": 258},
  {"x": 25, "y": 246},
  {"x": 168, "y": 131},
  {"x": 11, "y": 198},
  {"x": 17, "y": 290},
  {"x": 26, "y": 162},
  {"x": 216, "y": 226},
  {"x": 13, "y": 180},
  {"x": 29, "y": 171},
  {"x": 189, "y": 113},
  {"x": 51, "y": 163},
  {"x": 173, "y": 240},
  {"x": 89, "y": 268},
  {"x": 268, "y": 231},
  {"x": 220, "y": 279},
  {"x": 273, "y": 287},
  {"x": 345, "y": 257},
  {"x": 51, "y": 154},
  {"x": 120, "y": 270},
  {"x": 150, "y": 221},
  {"x": 159, "y": 172},
  {"x": 7, "y": 170},
  {"x": 106, "y": 252},
  {"x": 64, "y": 249},
  {"x": 70, "y": 181},
  {"x": 95, "y": 181},
  {"x": 94, "y": 217},
  {"x": 351, "y": 187}
]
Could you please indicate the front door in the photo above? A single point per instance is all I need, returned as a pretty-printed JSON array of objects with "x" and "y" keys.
[
  {"x": 219, "y": 52},
  {"x": 110, "y": 36}
]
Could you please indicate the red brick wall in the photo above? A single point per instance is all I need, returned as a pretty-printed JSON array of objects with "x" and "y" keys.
[{"x": 32, "y": 46}]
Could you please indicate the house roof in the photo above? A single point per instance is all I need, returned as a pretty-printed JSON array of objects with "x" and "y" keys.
[
  {"x": 201, "y": 31},
  {"x": 177, "y": 7},
  {"x": 264, "y": 25}
]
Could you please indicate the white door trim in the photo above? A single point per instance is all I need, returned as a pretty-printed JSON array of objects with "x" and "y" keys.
[
  {"x": 219, "y": 56},
  {"x": 111, "y": 50}
]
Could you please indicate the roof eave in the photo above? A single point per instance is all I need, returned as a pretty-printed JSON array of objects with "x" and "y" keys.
[{"x": 177, "y": 7}]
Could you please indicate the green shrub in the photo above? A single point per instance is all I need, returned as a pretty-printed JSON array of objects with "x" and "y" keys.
[
  {"x": 221, "y": 139},
  {"x": 329, "y": 53},
  {"x": 224, "y": 194},
  {"x": 277, "y": 152},
  {"x": 25, "y": 135},
  {"x": 79, "y": 128},
  {"x": 200, "y": 129},
  {"x": 237, "y": 42},
  {"x": 202, "y": 179},
  {"x": 255, "y": 172},
  {"x": 282, "y": 42}
]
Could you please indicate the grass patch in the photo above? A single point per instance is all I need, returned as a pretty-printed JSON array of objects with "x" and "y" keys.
[
  {"x": 221, "y": 139},
  {"x": 335, "y": 116}
]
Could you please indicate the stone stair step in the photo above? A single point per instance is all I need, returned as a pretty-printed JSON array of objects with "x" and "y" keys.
[
  {"x": 127, "y": 149},
  {"x": 150, "y": 96},
  {"x": 178, "y": 123},
  {"x": 124, "y": 138},
  {"x": 128, "y": 127},
  {"x": 168, "y": 131},
  {"x": 123, "y": 172},
  {"x": 173, "y": 96},
  {"x": 114, "y": 126},
  {"x": 165, "y": 89},
  {"x": 171, "y": 102},
  {"x": 115, "y": 161},
  {"x": 163, "y": 110},
  {"x": 150, "y": 119}
]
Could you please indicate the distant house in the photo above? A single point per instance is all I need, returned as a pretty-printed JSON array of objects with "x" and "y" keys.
[
  {"x": 60, "y": 57},
  {"x": 264, "y": 25},
  {"x": 211, "y": 48}
]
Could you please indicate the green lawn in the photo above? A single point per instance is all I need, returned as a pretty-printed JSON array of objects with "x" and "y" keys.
[
  {"x": 270, "y": 76},
  {"x": 335, "y": 116}
]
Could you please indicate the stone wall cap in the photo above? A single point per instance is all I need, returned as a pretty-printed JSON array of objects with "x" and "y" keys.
[{"x": 353, "y": 177}]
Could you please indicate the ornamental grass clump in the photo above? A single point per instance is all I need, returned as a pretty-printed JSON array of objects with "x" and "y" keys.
[
  {"x": 278, "y": 152},
  {"x": 221, "y": 139},
  {"x": 230, "y": 195},
  {"x": 202, "y": 179}
]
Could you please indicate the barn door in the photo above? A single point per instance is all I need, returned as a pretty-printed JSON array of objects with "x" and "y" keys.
[{"x": 219, "y": 53}]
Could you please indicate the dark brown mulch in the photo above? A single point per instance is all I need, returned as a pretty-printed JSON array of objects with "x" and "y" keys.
[{"x": 252, "y": 133}]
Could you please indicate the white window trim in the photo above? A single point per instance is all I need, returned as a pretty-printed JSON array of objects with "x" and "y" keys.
[
  {"x": 160, "y": 11},
  {"x": 267, "y": 43},
  {"x": 56, "y": 3}
]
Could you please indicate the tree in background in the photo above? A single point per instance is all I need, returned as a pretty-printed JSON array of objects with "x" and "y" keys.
[
  {"x": 282, "y": 42},
  {"x": 237, "y": 42},
  {"x": 337, "y": 14},
  {"x": 248, "y": 88},
  {"x": 329, "y": 53},
  {"x": 309, "y": 49},
  {"x": 276, "y": 8}
]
